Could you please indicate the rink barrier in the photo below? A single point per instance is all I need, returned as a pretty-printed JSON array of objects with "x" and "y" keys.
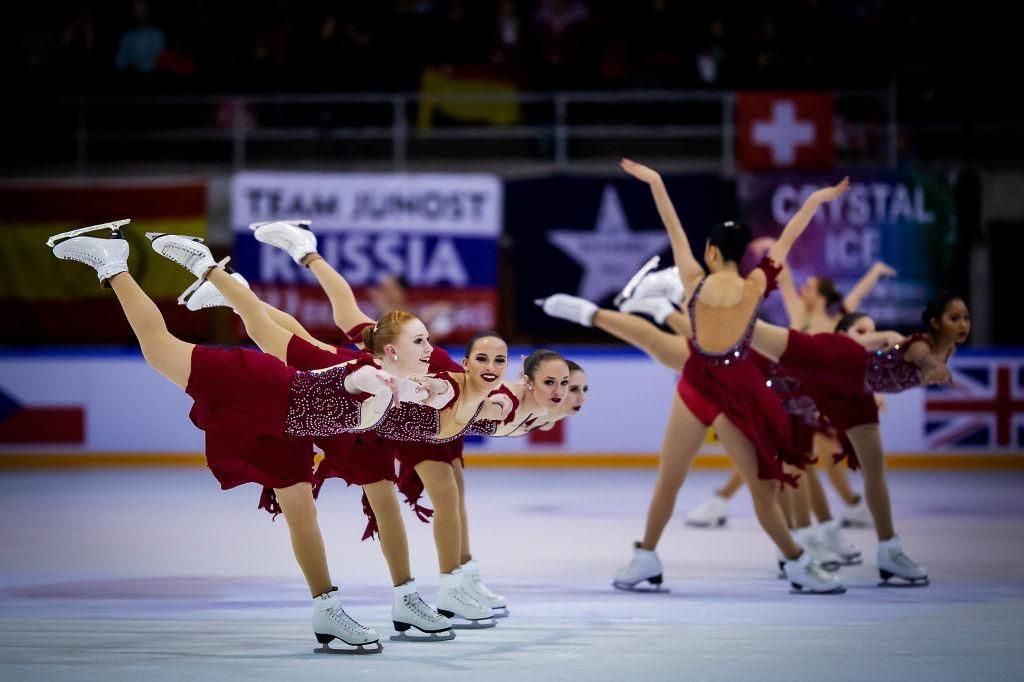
[{"x": 11, "y": 461}]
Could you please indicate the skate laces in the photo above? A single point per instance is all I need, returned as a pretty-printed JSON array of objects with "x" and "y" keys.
[
  {"x": 479, "y": 586},
  {"x": 415, "y": 603},
  {"x": 338, "y": 615},
  {"x": 901, "y": 559}
]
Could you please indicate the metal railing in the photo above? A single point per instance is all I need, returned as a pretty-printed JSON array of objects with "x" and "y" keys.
[{"x": 562, "y": 130}]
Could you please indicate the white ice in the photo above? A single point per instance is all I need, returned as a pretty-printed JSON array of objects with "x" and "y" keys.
[{"x": 158, "y": 575}]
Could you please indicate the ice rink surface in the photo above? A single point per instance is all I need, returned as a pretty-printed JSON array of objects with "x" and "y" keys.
[{"x": 158, "y": 575}]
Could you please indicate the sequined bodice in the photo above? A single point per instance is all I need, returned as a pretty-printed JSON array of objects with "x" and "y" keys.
[
  {"x": 888, "y": 371},
  {"x": 320, "y": 406},
  {"x": 411, "y": 422}
]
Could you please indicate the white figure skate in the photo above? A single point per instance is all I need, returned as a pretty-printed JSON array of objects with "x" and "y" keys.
[
  {"x": 292, "y": 236},
  {"x": 658, "y": 309},
  {"x": 893, "y": 563},
  {"x": 858, "y": 515},
  {"x": 454, "y": 600},
  {"x": 473, "y": 583},
  {"x": 201, "y": 294},
  {"x": 411, "y": 612},
  {"x": 634, "y": 281},
  {"x": 808, "y": 539},
  {"x": 571, "y": 308},
  {"x": 658, "y": 284},
  {"x": 107, "y": 256},
  {"x": 808, "y": 577},
  {"x": 832, "y": 539},
  {"x": 645, "y": 567},
  {"x": 712, "y": 513},
  {"x": 330, "y": 622},
  {"x": 188, "y": 252}
]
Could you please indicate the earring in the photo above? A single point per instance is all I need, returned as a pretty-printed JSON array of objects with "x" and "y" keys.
[{"x": 394, "y": 357}]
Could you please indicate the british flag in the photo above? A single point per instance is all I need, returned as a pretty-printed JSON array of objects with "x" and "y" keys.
[{"x": 982, "y": 410}]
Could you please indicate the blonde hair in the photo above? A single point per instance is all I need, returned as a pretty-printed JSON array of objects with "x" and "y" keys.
[{"x": 385, "y": 331}]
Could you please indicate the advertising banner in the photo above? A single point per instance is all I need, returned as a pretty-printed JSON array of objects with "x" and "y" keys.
[
  {"x": 902, "y": 218},
  {"x": 433, "y": 236}
]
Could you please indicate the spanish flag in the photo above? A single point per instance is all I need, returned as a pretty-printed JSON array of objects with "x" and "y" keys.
[{"x": 44, "y": 300}]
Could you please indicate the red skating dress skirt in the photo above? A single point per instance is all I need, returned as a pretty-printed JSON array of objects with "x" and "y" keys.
[
  {"x": 260, "y": 416},
  {"x": 804, "y": 417},
  {"x": 730, "y": 383}
]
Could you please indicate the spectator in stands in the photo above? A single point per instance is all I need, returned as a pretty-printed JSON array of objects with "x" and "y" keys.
[{"x": 140, "y": 46}]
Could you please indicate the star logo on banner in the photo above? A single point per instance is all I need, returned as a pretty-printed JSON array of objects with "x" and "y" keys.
[{"x": 611, "y": 253}]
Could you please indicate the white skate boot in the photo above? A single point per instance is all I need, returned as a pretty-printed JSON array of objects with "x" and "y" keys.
[
  {"x": 188, "y": 252},
  {"x": 657, "y": 309},
  {"x": 858, "y": 515},
  {"x": 202, "y": 294},
  {"x": 571, "y": 308},
  {"x": 832, "y": 539},
  {"x": 634, "y": 281},
  {"x": 107, "y": 256},
  {"x": 330, "y": 622},
  {"x": 293, "y": 236},
  {"x": 645, "y": 566},
  {"x": 410, "y": 611},
  {"x": 808, "y": 539},
  {"x": 713, "y": 513},
  {"x": 893, "y": 563},
  {"x": 808, "y": 577},
  {"x": 471, "y": 574},
  {"x": 453, "y": 599},
  {"x": 659, "y": 284}
]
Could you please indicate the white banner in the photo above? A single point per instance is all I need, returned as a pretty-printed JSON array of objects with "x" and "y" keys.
[{"x": 453, "y": 204}]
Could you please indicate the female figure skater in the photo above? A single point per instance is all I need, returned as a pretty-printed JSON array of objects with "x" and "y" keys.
[
  {"x": 843, "y": 371},
  {"x": 817, "y": 308},
  {"x": 721, "y": 387},
  {"x": 246, "y": 396},
  {"x": 299, "y": 242}
]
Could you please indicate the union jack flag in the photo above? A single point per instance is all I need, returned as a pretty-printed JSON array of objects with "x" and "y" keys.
[{"x": 982, "y": 410}]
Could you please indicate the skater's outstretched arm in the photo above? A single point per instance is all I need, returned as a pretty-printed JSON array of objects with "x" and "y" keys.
[
  {"x": 344, "y": 307},
  {"x": 795, "y": 310},
  {"x": 690, "y": 270},
  {"x": 866, "y": 283},
  {"x": 779, "y": 251}
]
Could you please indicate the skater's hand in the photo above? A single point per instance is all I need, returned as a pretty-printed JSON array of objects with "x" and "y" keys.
[
  {"x": 883, "y": 270},
  {"x": 410, "y": 391},
  {"x": 437, "y": 391},
  {"x": 640, "y": 171},
  {"x": 371, "y": 380},
  {"x": 828, "y": 194},
  {"x": 498, "y": 407}
]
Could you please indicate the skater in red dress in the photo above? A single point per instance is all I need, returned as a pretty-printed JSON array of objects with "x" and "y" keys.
[
  {"x": 721, "y": 387},
  {"x": 442, "y": 460},
  {"x": 242, "y": 397},
  {"x": 843, "y": 371}
]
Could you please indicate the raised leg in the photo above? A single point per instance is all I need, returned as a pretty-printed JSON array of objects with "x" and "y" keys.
[
  {"x": 668, "y": 349},
  {"x": 343, "y": 301}
]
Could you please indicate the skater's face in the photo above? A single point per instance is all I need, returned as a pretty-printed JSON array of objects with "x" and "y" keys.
[
  {"x": 863, "y": 325},
  {"x": 485, "y": 363},
  {"x": 955, "y": 323},
  {"x": 577, "y": 391},
  {"x": 412, "y": 348},
  {"x": 549, "y": 383}
]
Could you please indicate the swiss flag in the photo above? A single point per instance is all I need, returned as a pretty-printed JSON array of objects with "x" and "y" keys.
[{"x": 785, "y": 130}]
